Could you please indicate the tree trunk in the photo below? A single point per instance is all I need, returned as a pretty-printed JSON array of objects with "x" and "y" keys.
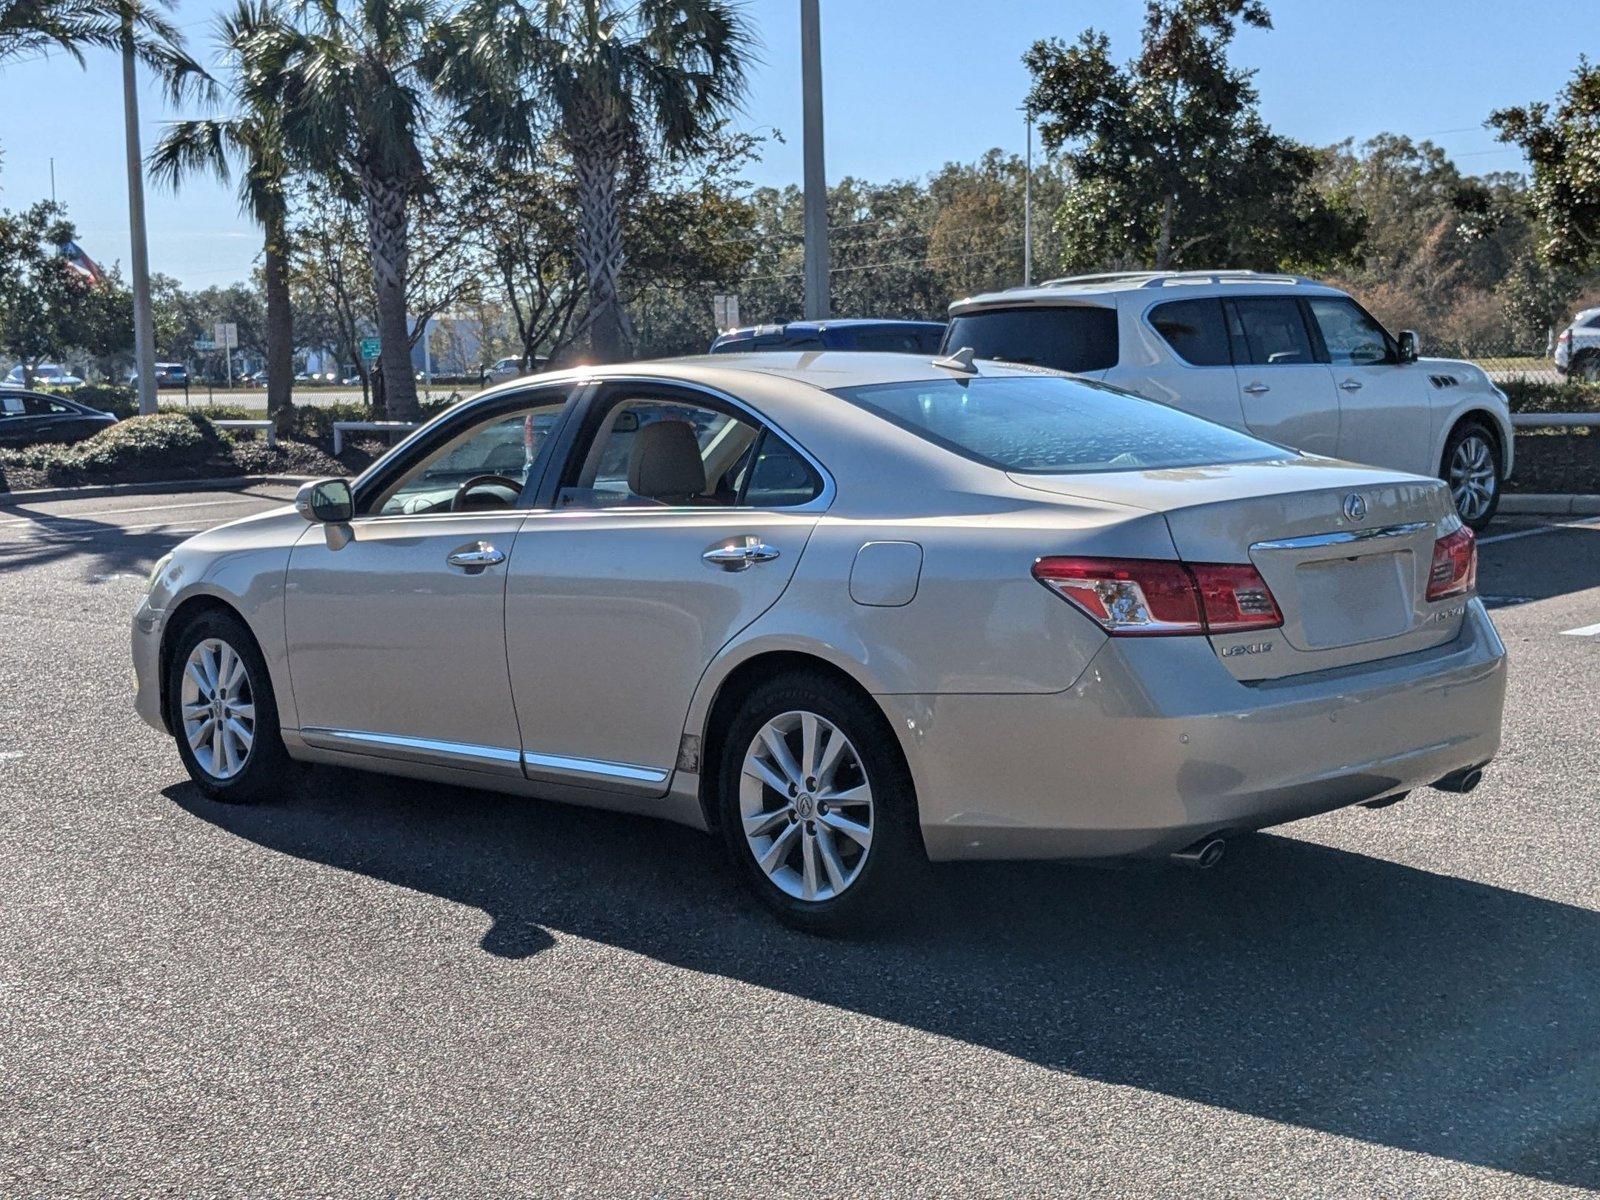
[
  {"x": 1164, "y": 241},
  {"x": 386, "y": 235},
  {"x": 280, "y": 327},
  {"x": 600, "y": 247}
]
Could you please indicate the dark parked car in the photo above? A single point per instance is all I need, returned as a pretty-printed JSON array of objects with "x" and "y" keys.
[
  {"x": 858, "y": 333},
  {"x": 27, "y": 418},
  {"x": 168, "y": 375}
]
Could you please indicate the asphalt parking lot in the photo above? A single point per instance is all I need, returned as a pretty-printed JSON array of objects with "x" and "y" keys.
[{"x": 381, "y": 987}]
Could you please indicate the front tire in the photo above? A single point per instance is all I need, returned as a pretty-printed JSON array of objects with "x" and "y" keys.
[
  {"x": 816, "y": 804},
  {"x": 224, "y": 716},
  {"x": 1472, "y": 469}
]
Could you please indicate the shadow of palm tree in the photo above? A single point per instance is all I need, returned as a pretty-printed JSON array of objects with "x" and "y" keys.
[{"x": 1302, "y": 984}]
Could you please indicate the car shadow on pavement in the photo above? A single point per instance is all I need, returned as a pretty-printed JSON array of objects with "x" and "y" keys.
[{"x": 1298, "y": 983}]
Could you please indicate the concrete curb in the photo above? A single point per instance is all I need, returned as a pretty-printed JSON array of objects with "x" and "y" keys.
[
  {"x": 1551, "y": 504},
  {"x": 40, "y": 495}
]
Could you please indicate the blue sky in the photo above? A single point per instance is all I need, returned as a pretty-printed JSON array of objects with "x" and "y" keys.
[{"x": 909, "y": 84}]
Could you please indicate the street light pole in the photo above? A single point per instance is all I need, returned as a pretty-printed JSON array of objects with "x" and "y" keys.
[
  {"x": 818, "y": 306},
  {"x": 1027, "y": 207},
  {"x": 144, "y": 342}
]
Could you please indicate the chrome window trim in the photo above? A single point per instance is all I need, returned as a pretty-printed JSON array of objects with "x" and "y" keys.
[
  {"x": 821, "y": 503},
  {"x": 1346, "y": 537}
]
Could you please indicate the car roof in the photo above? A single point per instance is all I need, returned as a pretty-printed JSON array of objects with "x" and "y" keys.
[{"x": 1084, "y": 289}]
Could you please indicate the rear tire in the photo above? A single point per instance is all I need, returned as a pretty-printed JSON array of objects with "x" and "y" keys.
[
  {"x": 223, "y": 713},
  {"x": 1472, "y": 468},
  {"x": 816, "y": 804}
]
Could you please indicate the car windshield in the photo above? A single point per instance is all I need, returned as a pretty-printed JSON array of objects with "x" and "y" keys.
[{"x": 1048, "y": 425}]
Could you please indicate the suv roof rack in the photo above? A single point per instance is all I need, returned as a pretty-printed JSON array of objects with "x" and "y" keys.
[{"x": 1152, "y": 279}]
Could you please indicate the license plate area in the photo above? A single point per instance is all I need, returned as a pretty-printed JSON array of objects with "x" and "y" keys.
[{"x": 1345, "y": 601}]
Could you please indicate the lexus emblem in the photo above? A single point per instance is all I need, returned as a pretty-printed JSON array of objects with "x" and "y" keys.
[{"x": 1355, "y": 506}]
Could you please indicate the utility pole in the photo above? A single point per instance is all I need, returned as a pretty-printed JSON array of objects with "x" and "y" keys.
[
  {"x": 1027, "y": 207},
  {"x": 818, "y": 305},
  {"x": 144, "y": 341}
]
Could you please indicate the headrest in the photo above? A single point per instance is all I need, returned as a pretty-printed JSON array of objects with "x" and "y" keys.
[{"x": 665, "y": 462}]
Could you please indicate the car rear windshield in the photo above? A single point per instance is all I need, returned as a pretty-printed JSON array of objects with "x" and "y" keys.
[
  {"x": 1047, "y": 425},
  {"x": 1062, "y": 338}
]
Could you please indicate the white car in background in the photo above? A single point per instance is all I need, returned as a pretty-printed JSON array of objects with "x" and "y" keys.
[
  {"x": 44, "y": 375},
  {"x": 1279, "y": 356},
  {"x": 507, "y": 369},
  {"x": 1578, "y": 348}
]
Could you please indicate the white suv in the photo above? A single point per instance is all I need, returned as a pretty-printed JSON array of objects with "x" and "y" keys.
[{"x": 1285, "y": 358}]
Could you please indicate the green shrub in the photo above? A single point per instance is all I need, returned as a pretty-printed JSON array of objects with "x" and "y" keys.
[
  {"x": 165, "y": 444},
  {"x": 107, "y": 397},
  {"x": 1570, "y": 395}
]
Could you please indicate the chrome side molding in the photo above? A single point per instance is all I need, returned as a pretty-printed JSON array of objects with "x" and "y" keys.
[{"x": 559, "y": 766}]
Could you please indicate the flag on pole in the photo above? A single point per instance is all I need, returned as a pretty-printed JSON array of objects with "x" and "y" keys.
[{"x": 81, "y": 262}]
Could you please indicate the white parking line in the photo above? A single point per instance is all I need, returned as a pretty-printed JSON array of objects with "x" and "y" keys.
[
  {"x": 1582, "y": 631},
  {"x": 1591, "y": 523}
]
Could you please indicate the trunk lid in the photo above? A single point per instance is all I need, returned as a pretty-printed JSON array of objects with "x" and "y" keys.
[{"x": 1345, "y": 550}]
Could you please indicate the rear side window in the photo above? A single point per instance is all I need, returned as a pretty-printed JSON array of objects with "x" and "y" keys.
[
  {"x": 779, "y": 477},
  {"x": 1061, "y": 337},
  {"x": 1195, "y": 330},
  {"x": 1274, "y": 331},
  {"x": 1049, "y": 424}
]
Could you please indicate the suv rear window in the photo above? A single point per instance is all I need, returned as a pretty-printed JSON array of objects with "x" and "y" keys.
[
  {"x": 1048, "y": 425},
  {"x": 1061, "y": 337}
]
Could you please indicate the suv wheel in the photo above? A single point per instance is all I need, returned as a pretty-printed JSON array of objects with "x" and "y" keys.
[
  {"x": 816, "y": 804},
  {"x": 1472, "y": 469},
  {"x": 224, "y": 715}
]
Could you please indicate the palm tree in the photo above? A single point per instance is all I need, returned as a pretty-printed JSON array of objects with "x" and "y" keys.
[
  {"x": 350, "y": 88},
  {"x": 30, "y": 27},
  {"x": 252, "y": 140},
  {"x": 618, "y": 79}
]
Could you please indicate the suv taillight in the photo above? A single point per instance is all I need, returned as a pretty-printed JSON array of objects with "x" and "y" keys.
[
  {"x": 1142, "y": 597},
  {"x": 1455, "y": 565}
]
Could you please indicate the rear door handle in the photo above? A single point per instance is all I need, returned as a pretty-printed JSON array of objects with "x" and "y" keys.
[
  {"x": 739, "y": 554},
  {"x": 1256, "y": 389},
  {"x": 476, "y": 557},
  {"x": 1350, "y": 385}
]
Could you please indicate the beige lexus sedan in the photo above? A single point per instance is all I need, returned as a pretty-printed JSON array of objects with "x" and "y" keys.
[{"x": 851, "y": 612}]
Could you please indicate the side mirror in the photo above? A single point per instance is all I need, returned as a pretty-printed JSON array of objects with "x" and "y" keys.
[
  {"x": 1410, "y": 346},
  {"x": 327, "y": 501}
]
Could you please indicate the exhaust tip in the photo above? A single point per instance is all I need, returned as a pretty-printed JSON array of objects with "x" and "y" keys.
[
  {"x": 1203, "y": 855},
  {"x": 1461, "y": 781}
]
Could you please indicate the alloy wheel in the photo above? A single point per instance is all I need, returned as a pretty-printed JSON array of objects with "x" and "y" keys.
[
  {"x": 1472, "y": 477},
  {"x": 806, "y": 806},
  {"x": 219, "y": 712}
]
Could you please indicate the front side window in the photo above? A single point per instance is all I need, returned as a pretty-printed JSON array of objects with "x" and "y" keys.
[
  {"x": 1274, "y": 332},
  {"x": 1351, "y": 336},
  {"x": 1195, "y": 330},
  {"x": 1065, "y": 338},
  {"x": 1053, "y": 425},
  {"x": 496, "y": 457}
]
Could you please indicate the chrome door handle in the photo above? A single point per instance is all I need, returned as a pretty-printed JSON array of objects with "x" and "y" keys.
[
  {"x": 738, "y": 554},
  {"x": 1256, "y": 389},
  {"x": 476, "y": 557},
  {"x": 1350, "y": 385}
]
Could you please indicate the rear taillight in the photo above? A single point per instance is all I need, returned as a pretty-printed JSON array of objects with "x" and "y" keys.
[
  {"x": 1566, "y": 336},
  {"x": 1455, "y": 565},
  {"x": 1141, "y": 597}
]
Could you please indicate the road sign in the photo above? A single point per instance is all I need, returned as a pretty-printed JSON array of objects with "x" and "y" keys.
[
  {"x": 204, "y": 344},
  {"x": 369, "y": 349},
  {"x": 725, "y": 311},
  {"x": 226, "y": 335}
]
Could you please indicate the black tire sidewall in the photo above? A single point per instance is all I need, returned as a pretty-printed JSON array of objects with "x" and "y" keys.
[
  {"x": 896, "y": 850},
  {"x": 1460, "y": 434},
  {"x": 264, "y": 770}
]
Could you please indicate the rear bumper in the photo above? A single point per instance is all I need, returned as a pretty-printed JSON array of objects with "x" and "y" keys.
[{"x": 1157, "y": 745}]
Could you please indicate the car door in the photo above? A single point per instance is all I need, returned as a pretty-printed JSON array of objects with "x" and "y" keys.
[
  {"x": 1384, "y": 404},
  {"x": 1286, "y": 393},
  {"x": 14, "y": 423},
  {"x": 678, "y": 521},
  {"x": 395, "y": 622},
  {"x": 1188, "y": 363}
]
